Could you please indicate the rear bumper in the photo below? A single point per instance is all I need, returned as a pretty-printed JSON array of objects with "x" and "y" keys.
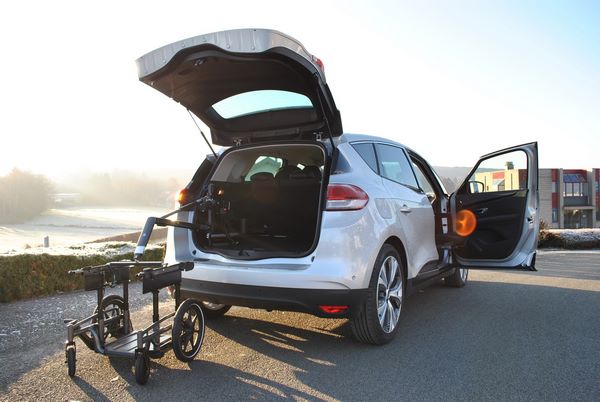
[{"x": 272, "y": 298}]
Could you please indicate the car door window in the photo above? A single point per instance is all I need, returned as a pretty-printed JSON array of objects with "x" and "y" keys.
[
  {"x": 424, "y": 182},
  {"x": 394, "y": 165},
  {"x": 500, "y": 173},
  {"x": 367, "y": 152}
]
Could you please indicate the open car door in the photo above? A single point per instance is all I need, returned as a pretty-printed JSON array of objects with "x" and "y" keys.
[{"x": 495, "y": 211}]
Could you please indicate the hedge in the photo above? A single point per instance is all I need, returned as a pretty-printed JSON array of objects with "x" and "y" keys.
[
  {"x": 573, "y": 239},
  {"x": 29, "y": 275}
]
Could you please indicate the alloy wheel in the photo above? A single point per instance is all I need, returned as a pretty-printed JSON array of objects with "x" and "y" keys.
[{"x": 389, "y": 294}]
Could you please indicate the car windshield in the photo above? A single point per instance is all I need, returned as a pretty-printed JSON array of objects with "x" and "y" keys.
[{"x": 260, "y": 101}]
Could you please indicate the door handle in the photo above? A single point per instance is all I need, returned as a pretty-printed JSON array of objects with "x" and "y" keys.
[
  {"x": 405, "y": 209},
  {"x": 480, "y": 211}
]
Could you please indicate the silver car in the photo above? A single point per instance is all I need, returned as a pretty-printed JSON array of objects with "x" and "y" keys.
[{"x": 308, "y": 218}]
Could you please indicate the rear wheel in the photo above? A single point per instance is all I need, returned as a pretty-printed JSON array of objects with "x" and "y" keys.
[
  {"x": 188, "y": 330},
  {"x": 377, "y": 321},
  {"x": 113, "y": 306},
  {"x": 214, "y": 310},
  {"x": 459, "y": 278}
]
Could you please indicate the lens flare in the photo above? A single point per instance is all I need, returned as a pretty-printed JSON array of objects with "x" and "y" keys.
[
  {"x": 181, "y": 196},
  {"x": 466, "y": 222}
]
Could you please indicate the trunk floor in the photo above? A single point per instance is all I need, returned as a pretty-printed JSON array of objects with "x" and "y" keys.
[{"x": 263, "y": 243}]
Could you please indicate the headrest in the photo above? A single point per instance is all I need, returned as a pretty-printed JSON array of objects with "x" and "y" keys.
[
  {"x": 312, "y": 172},
  {"x": 287, "y": 171},
  {"x": 261, "y": 176}
]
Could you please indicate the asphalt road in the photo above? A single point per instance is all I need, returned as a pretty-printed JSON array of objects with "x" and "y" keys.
[{"x": 505, "y": 336}]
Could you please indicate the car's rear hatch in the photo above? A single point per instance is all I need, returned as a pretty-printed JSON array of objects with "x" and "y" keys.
[{"x": 246, "y": 85}]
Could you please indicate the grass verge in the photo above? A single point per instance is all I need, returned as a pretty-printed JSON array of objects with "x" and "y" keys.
[{"x": 28, "y": 275}]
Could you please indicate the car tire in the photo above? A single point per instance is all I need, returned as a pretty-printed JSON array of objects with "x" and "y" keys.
[
  {"x": 377, "y": 320},
  {"x": 214, "y": 310},
  {"x": 458, "y": 279}
]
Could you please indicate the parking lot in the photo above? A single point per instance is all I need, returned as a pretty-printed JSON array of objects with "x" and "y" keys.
[{"x": 505, "y": 336}]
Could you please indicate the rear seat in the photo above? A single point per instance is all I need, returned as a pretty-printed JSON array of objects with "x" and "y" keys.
[{"x": 285, "y": 203}]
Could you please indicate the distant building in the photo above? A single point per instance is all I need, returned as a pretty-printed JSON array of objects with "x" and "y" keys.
[{"x": 570, "y": 198}]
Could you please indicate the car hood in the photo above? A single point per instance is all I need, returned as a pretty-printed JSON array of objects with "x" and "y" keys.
[{"x": 246, "y": 85}]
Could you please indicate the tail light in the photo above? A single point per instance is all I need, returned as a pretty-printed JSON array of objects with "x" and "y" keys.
[
  {"x": 182, "y": 196},
  {"x": 345, "y": 197},
  {"x": 334, "y": 309}
]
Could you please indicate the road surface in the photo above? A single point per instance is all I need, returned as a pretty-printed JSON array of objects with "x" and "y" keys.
[{"x": 505, "y": 336}]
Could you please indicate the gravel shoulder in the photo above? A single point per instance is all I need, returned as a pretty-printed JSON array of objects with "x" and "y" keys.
[
  {"x": 32, "y": 329},
  {"x": 505, "y": 336}
]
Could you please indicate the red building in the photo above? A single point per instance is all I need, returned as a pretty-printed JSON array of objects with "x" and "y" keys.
[{"x": 570, "y": 198}]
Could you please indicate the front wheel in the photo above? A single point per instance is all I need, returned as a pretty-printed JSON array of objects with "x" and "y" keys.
[
  {"x": 142, "y": 368},
  {"x": 70, "y": 355},
  {"x": 377, "y": 320},
  {"x": 459, "y": 278},
  {"x": 188, "y": 330}
]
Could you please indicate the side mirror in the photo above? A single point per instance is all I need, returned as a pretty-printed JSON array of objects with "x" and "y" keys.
[{"x": 476, "y": 187}]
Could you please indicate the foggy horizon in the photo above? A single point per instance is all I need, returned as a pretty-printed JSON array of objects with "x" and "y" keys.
[{"x": 452, "y": 83}]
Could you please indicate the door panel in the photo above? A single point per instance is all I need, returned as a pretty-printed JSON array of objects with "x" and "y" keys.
[
  {"x": 499, "y": 218},
  {"x": 502, "y": 192}
]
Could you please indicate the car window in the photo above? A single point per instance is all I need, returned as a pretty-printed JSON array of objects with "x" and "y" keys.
[
  {"x": 424, "y": 182},
  {"x": 260, "y": 101},
  {"x": 268, "y": 164},
  {"x": 367, "y": 152},
  {"x": 341, "y": 164},
  {"x": 394, "y": 165},
  {"x": 500, "y": 173}
]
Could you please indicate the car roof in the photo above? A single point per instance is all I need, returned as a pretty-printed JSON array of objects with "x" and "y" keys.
[
  {"x": 351, "y": 137},
  {"x": 354, "y": 137}
]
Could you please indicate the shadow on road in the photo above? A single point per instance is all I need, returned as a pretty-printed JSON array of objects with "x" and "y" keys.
[
  {"x": 88, "y": 389},
  {"x": 526, "y": 336},
  {"x": 491, "y": 341}
]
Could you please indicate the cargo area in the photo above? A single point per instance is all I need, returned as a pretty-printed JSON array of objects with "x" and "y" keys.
[{"x": 267, "y": 202}]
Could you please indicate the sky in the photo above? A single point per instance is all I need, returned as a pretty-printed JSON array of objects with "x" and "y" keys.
[{"x": 451, "y": 79}]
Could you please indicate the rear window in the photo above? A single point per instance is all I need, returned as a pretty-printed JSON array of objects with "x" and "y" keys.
[
  {"x": 260, "y": 101},
  {"x": 394, "y": 165},
  {"x": 367, "y": 152}
]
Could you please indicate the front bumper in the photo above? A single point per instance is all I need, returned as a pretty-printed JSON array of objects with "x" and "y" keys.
[{"x": 273, "y": 298}]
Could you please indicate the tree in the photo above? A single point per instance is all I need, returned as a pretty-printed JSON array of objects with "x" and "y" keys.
[{"x": 23, "y": 195}]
